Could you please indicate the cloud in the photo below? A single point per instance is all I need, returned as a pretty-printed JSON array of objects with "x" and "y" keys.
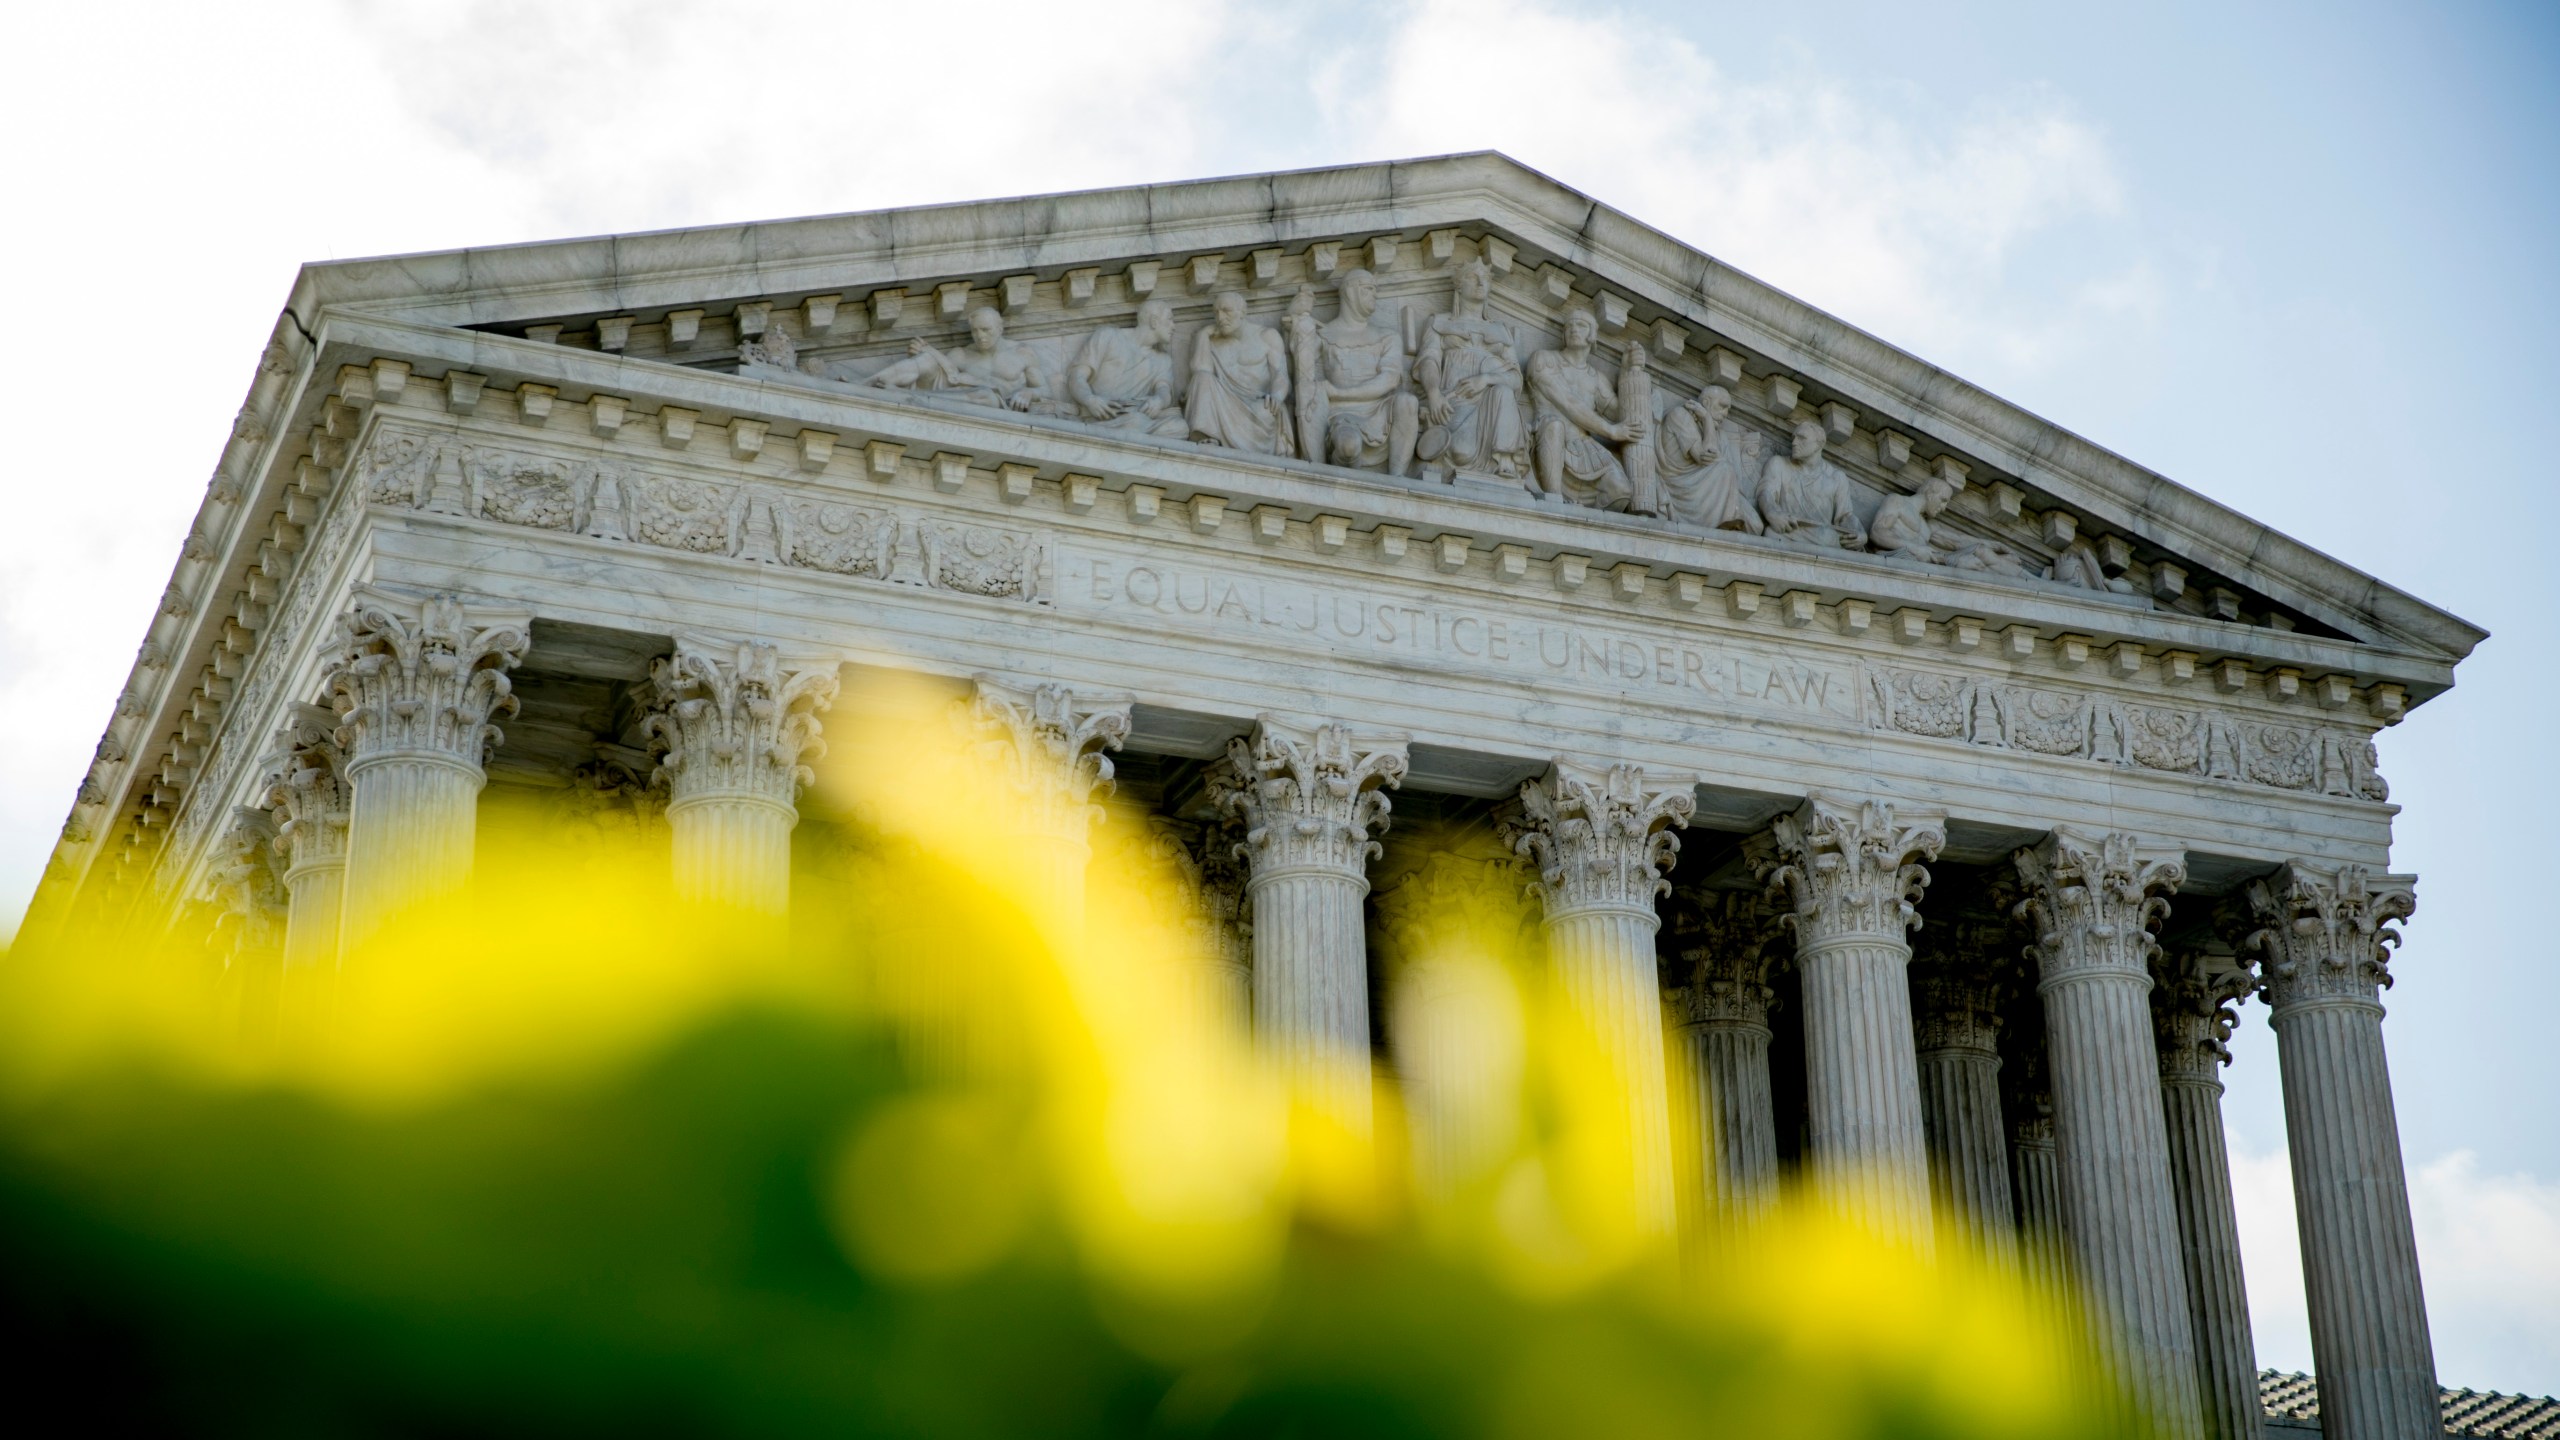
[{"x": 1899, "y": 210}]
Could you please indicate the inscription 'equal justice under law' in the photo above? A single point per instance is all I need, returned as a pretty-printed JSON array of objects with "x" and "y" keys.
[{"x": 1345, "y": 621}]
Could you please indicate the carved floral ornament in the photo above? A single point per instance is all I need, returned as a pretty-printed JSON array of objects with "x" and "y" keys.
[
  {"x": 2194, "y": 1005},
  {"x": 1839, "y": 869},
  {"x": 310, "y": 796},
  {"x": 732, "y": 721},
  {"x": 1598, "y": 838},
  {"x": 1049, "y": 748},
  {"x": 2094, "y": 902},
  {"x": 1725, "y": 944},
  {"x": 423, "y": 678},
  {"x": 1308, "y": 799},
  {"x": 2323, "y": 934}
]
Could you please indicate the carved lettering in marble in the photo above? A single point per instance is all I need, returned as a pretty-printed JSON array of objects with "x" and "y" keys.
[{"x": 1348, "y": 623}]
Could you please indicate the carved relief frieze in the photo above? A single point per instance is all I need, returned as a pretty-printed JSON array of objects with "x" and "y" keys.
[
  {"x": 2088, "y": 725},
  {"x": 610, "y": 500}
]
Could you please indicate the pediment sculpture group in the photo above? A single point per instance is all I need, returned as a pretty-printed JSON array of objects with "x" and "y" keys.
[{"x": 1462, "y": 396}]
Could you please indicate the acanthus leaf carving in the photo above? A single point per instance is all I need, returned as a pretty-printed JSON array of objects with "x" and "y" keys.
[
  {"x": 1597, "y": 838},
  {"x": 2194, "y": 1004},
  {"x": 1724, "y": 944},
  {"x": 428, "y": 677},
  {"x": 2094, "y": 901},
  {"x": 1308, "y": 798},
  {"x": 2323, "y": 934},
  {"x": 1840, "y": 869},
  {"x": 1049, "y": 748},
  {"x": 730, "y": 720}
]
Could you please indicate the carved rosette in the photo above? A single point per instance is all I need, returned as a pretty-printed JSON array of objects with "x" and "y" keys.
[
  {"x": 423, "y": 680},
  {"x": 731, "y": 722},
  {"x": 1308, "y": 799},
  {"x": 1048, "y": 749},
  {"x": 309, "y": 799},
  {"x": 1599, "y": 840},
  {"x": 2194, "y": 1004},
  {"x": 1720, "y": 941},
  {"x": 2325, "y": 936},
  {"x": 2093, "y": 901},
  {"x": 1847, "y": 870}
]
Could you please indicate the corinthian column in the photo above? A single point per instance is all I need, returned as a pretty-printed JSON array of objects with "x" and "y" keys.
[
  {"x": 2094, "y": 900},
  {"x": 1209, "y": 885},
  {"x": 415, "y": 685},
  {"x": 1044, "y": 745},
  {"x": 1599, "y": 840},
  {"x": 1956, "y": 1029},
  {"x": 1721, "y": 943},
  {"x": 734, "y": 731},
  {"x": 2191, "y": 1002},
  {"x": 1844, "y": 875},
  {"x": 1455, "y": 932},
  {"x": 309, "y": 803},
  {"x": 1309, "y": 801},
  {"x": 2323, "y": 942}
]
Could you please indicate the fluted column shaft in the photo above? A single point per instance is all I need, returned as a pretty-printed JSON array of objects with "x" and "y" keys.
[
  {"x": 734, "y": 729},
  {"x": 2324, "y": 941},
  {"x": 732, "y": 850},
  {"x": 1455, "y": 929},
  {"x": 2043, "y": 1250},
  {"x": 1968, "y": 1150},
  {"x": 1309, "y": 801},
  {"x": 1727, "y": 1060},
  {"x": 1846, "y": 875},
  {"x": 1605, "y": 970},
  {"x": 2192, "y": 1015},
  {"x": 1957, "y": 1032},
  {"x": 415, "y": 686},
  {"x": 411, "y": 831},
  {"x": 2218, "y": 1299},
  {"x": 309, "y": 805},
  {"x": 2094, "y": 901},
  {"x": 1720, "y": 941},
  {"x": 1599, "y": 840}
]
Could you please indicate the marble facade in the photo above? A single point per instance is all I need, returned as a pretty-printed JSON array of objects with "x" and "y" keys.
[{"x": 1329, "y": 492}]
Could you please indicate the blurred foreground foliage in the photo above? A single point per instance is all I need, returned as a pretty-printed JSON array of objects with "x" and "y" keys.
[{"x": 553, "y": 1159}]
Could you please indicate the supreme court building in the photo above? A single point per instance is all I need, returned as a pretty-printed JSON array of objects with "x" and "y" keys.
[{"x": 1435, "y": 485}]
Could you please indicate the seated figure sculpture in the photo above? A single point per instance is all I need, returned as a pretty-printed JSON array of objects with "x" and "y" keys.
[
  {"x": 1902, "y": 528},
  {"x": 1576, "y": 421},
  {"x": 1705, "y": 457},
  {"x": 1804, "y": 497},
  {"x": 992, "y": 371},
  {"x": 1123, "y": 379},
  {"x": 1469, "y": 366},
  {"x": 1239, "y": 394},
  {"x": 1353, "y": 405}
]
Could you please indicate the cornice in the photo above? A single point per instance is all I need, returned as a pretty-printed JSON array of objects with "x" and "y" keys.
[{"x": 1546, "y": 221}]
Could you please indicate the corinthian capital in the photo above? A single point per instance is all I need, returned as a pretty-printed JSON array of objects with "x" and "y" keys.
[
  {"x": 1838, "y": 869},
  {"x": 2194, "y": 1000},
  {"x": 1598, "y": 839},
  {"x": 2325, "y": 934},
  {"x": 309, "y": 797},
  {"x": 1048, "y": 746},
  {"x": 1308, "y": 798},
  {"x": 2093, "y": 900},
  {"x": 1722, "y": 946},
  {"x": 730, "y": 720},
  {"x": 422, "y": 678}
]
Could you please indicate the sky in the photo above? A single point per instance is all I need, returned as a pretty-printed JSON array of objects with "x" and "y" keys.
[{"x": 2298, "y": 257}]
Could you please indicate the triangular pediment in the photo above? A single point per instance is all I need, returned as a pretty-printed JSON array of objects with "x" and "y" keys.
[{"x": 880, "y": 304}]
